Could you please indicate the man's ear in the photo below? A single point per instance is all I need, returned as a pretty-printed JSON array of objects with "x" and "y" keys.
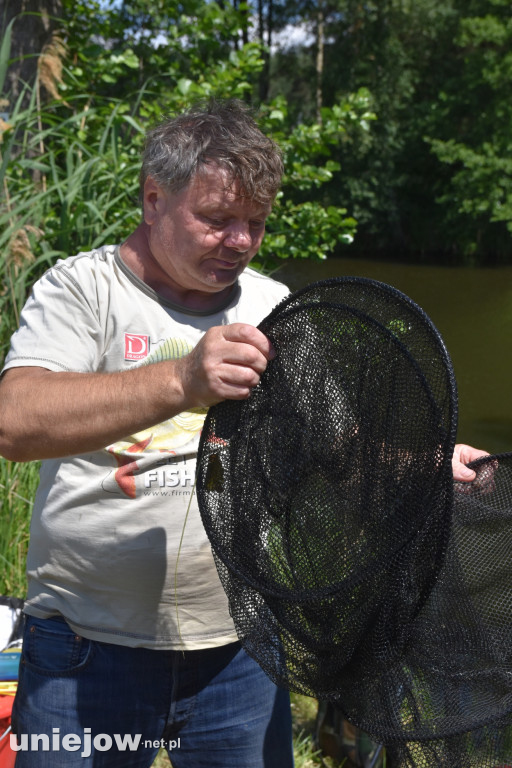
[{"x": 152, "y": 199}]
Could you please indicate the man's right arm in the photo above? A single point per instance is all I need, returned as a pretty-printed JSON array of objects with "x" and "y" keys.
[{"x": 46, "y": 414}]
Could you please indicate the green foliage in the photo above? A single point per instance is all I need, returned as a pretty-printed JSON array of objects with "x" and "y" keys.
[
  {"x": 482, "y": 182},
  {"x": 431, "y": 177},
  {"x": 302, "y": 225},
  {"x": 474, "y": 139},
  {"x": 18, "y": 484},
  {"x": 304, "y": 230},
  {"x": 158, "y": 46},
  {"x": 386, "y": 48}
]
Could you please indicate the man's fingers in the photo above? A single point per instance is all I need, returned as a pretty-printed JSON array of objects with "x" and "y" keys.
[
  {"x": 251, "y": 336},
  {"x": 226, "y": 364},
  {"x": 462, "y": 455}
]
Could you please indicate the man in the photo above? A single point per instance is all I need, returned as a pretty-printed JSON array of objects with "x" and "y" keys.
[{"x": 128, "y": 631}]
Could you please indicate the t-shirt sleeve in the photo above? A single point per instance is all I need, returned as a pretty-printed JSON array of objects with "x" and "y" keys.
[{"x": 59, "y": 327}]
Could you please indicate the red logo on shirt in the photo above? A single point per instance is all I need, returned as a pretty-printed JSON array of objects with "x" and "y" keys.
[{"x": 136, "y": 346}]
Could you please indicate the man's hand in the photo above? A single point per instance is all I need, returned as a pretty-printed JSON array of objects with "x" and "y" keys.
[
  {"x": 225, "y": 365},
  {"x": 462, "y": 455}
]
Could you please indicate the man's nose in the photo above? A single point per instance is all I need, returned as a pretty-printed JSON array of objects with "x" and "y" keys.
[{"x": 238, "y": 238}]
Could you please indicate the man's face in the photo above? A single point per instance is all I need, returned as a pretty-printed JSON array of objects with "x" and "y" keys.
[{"x": 204, "y": 236}]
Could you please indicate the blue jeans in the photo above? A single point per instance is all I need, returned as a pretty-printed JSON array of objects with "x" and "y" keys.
[{"x": 91, "y": 704}]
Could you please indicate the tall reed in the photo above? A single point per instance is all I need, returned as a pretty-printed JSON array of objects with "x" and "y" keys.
[{"x": 68, "y": 182}]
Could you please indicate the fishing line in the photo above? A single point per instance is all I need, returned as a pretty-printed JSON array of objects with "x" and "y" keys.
[{"x": 178, "y": 557}]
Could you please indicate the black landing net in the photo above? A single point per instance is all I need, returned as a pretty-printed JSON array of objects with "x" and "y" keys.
[{"x": 356, "y": 570}]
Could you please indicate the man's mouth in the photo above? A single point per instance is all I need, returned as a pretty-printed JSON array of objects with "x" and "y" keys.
[{"x": 227, "y": 264}]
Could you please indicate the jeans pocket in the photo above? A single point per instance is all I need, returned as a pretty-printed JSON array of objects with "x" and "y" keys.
[{"x": 50, "y": 647}]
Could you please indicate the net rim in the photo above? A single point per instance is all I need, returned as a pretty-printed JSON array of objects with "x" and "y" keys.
[
  {"x": 296, "y": 595},
  {"x": 281, "y": 310}
]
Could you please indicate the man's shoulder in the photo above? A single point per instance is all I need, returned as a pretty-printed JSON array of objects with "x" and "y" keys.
[
  {"x": 259, "y": 295},
  {"x": 84, "y": 270},
  {"x": 253, "y": 281},
  {"x": 87, "y": 259}
]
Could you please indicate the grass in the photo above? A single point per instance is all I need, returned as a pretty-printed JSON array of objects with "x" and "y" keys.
[
  {"x": 18, "y": 484},
  {"x": 306, "y": 755}
]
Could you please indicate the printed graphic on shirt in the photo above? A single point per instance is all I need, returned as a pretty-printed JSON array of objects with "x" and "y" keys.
[
  {"x": 138, "y": 468},
  {"x": 136, "y": 346}
]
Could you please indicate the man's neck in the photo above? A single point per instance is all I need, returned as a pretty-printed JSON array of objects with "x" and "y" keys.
[{"x": 136, "y": 255}]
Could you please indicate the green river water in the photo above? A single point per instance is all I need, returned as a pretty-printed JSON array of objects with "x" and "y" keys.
[{"x": 472, "y": 309}]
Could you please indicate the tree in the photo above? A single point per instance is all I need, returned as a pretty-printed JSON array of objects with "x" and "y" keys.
[
  {"x": 472, "y": 139},
  {"x": 400, "y": 52},
  {"x": 432, "y": 177},
  {"x": 374, "y": 46}
]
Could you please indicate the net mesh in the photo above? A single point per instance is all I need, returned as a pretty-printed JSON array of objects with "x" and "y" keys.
[{"x": 355, "y": 572}]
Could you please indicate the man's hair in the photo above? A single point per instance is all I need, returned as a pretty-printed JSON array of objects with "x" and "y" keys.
[{"x": 223, "y": 133}]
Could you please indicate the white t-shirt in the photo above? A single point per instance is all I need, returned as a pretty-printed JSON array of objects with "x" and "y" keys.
[{"x": 117, "y": 545}]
